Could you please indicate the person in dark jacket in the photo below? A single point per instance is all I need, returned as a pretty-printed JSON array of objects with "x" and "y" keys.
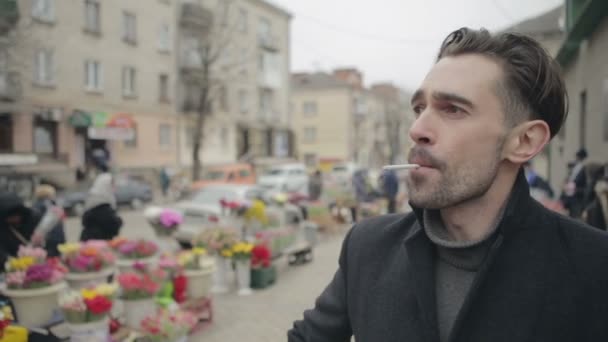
[
  {"x": 100, "y": 220},
  {"x": 315, "y": 186},
  {"x": 44, "y": 203},
  {"x": 390, "y": 187},
  {"x": 536, "y": 182},
  {"x": 17, "y": 225},
  {"x": 478, "y": 260},
  {"x": 596, "y": 213}
]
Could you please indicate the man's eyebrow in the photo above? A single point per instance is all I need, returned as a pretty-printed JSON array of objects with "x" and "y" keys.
[
  {"x": 417, "y": 95},
  {"x": 451, "y": 97}
]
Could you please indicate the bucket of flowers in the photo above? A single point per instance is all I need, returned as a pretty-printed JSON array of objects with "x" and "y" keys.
[
  {"x": 164, "y": 221},
  {"x": 134, "y": 253},
  {"x": 88, "y": 263},
  {"x": 241, "y": 254},
  {"x": 219, "y": 242},
  {"x": 86, "y": 312},
  {"x": 166, "y": 326},
  {"x": 138, "y": 294},
  {"x": 33, "y": 283},
  {"x": 198, "y": 269},
  {"x": 263, "y": 272}
]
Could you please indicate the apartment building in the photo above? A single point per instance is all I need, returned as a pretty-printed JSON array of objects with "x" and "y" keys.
[
  {"x": 84, "y": 74},
  {"x": 249, "y": 109},
  {"x": 337, "y": 119}
]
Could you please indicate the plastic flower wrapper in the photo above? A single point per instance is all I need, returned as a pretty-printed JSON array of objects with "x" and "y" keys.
[
  {"x": 73, "y": 306},
  {"x": 168, "y": 326},
  {"x": 216, "y": 240},
  {"x": 137, "y": 249},
  {"x": 139, "y": 286}
]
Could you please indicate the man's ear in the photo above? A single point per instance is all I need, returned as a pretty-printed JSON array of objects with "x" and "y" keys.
[{"x": 526, "y": 140}]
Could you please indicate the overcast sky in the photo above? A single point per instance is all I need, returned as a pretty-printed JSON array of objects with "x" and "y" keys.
[{"x": 390, "y": 40}]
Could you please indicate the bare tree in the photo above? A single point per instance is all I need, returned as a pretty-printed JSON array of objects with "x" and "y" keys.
[{"x": 207, "y": 85}]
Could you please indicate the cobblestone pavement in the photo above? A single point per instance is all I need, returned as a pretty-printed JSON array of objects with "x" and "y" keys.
[{"x": 266, "y": 315}]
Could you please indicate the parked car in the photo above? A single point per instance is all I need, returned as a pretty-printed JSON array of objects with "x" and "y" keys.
[
  {"x": 203, "y": 207},
  {"x": 128, "y": 191},
  {"x": 286, "y": 178},
  {"x": 239, "y": 173}
]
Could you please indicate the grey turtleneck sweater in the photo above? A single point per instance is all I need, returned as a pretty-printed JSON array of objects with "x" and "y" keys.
[{"x": 456, "y": 265}]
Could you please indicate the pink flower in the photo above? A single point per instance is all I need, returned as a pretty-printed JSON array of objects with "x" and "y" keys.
[
  {"x": 139, "y": 266},
  {"x": 127, "y": 247},
  {"x": 34, "y": 252},
  {"x": 15, "y": 279},
  {"x": 56, "y": 277},
  {"x": 39, "y": 273},
  {"x": 97, "y": 244},
  {"x": 170, "y": 218}
]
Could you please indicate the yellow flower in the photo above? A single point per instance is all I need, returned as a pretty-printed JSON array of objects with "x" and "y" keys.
[
  {"x": 199, "y": 251},
  {"x": 185, "y": 258},
  {"x": 69, "y": 248},
  {"x": 226, "y": 253},
  {"x": 88, "y": 294},
  {"x": 21, "y": 264},
  {"x": 107, "y": 290}
]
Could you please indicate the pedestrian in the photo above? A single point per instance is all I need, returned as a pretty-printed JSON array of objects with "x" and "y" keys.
[
  {"x": 165, "y": 181},
  {"x": 52, "y": 223},
  {"x": 479, "y": 260},
  {"x": 577, "y": 185},
  {"x": 537, "y": 183},
  {"x": 315, "y": 186},
  {"x": 390, "y": 188},
  {"x": 596, "y": 213},
  {"x": 17, "y": 225},
  {"x": 100, "y": 220}
]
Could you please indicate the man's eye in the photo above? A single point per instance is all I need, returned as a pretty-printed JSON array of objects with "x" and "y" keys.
[
  {"x": 418, "y": 109},
  {"x": 451, "y": 109}
]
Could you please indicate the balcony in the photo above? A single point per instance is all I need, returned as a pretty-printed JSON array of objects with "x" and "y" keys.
[
  {"x": 196, "y": 16},
  {"x": 9, "y": 15},
  {"x": 9, "y": 86},
  {"x": 269, "y": 79},
  {"x": 268, "y": 42}
]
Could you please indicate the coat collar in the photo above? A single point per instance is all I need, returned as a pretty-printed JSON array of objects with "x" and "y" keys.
[{"x": 421, "y": 257}]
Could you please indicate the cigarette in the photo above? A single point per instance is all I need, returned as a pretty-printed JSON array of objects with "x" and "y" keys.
[{"x": 401, "y": 167}]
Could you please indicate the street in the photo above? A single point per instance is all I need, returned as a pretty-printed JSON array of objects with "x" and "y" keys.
[{"x": 266, "y": 315}]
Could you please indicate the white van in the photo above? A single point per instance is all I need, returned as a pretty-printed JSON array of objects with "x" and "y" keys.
[{"x": 285, "y": 178}]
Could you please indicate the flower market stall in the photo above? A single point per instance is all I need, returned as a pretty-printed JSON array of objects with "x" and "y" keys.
[{"x": 140, "y": 254}]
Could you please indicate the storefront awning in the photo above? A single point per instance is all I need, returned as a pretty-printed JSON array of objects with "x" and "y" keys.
[{"x": 105, "y": 126}]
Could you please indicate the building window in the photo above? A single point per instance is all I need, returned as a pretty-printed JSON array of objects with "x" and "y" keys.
[
  {"x": 583, "y": 119},
  {"x": 224, "y": 135},
  {"x": 243, "y": 101},
  {"x": 132, "y": 143},
  {"x": 6, "y": 133},
  {"x": 242, "y": 23},
  {"x": 310, "y": 159},
  {"x": 310, "y": 134},
  {"x": 223, "y": 99},
  {"x": 605, "y": 109},
  {"x": 264, "y": 29},
  {"x": 164, "y": 38},
  {"x": 92, "y": 21},
  {"x": 129, "y": 82},
  {"x": 309, "y": 108},
  {"x": 45, "y": 137},
  {"x": 44, "y": 10},
  {"x": 164, "y": 135},
  {"x": 129, "y": 28},
  {"x": 265, "y": 103},
  {"x": 163, "y": 88},
  {"x": 93, "y": 79},
  {"x": 44, "y": 67}
]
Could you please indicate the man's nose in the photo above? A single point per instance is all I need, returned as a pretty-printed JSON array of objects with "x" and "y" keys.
[{"x": 422, "y": 131}]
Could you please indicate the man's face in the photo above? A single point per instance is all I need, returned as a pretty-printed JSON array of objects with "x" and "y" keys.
[{"x": 458, "y": 134}]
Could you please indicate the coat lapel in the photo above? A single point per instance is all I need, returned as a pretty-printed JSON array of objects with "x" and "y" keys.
[{"x": 420, "y": 273}]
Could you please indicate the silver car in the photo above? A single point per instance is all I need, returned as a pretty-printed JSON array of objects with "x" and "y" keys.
[{"x": 203, "y": 208}]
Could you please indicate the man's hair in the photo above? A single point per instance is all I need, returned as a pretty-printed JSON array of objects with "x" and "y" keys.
[{"x": 532, "y": 88}]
